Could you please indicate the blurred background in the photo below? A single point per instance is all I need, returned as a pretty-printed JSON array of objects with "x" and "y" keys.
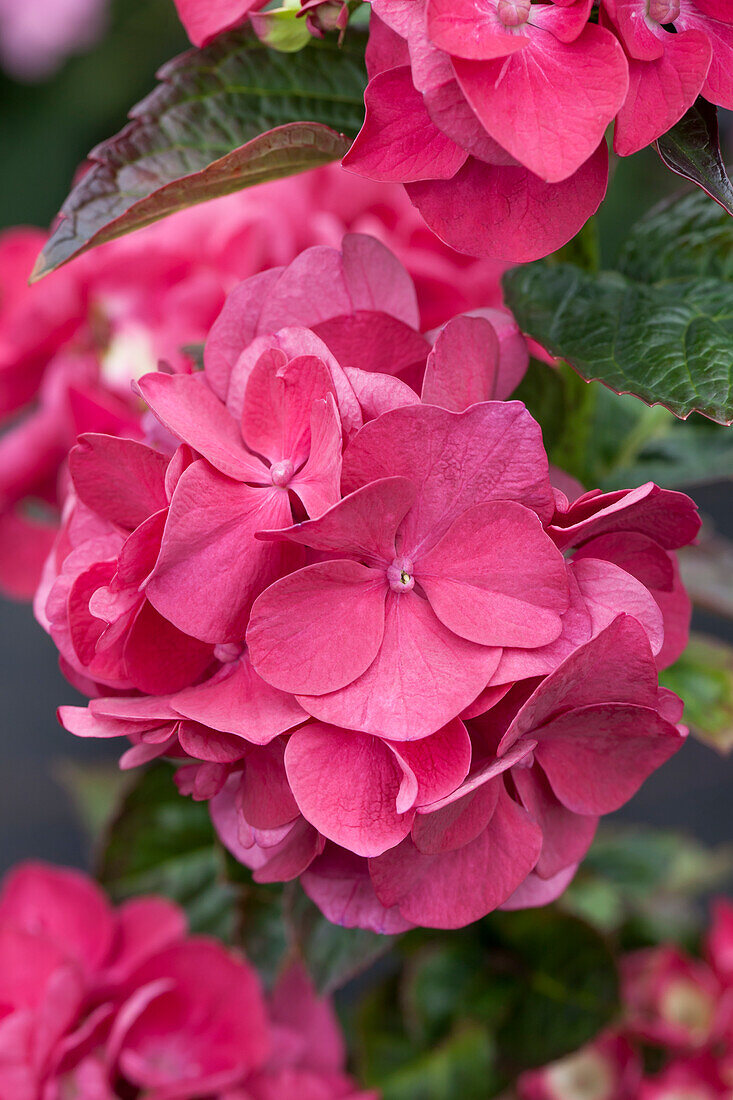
[{"x": 53, "y": 110}]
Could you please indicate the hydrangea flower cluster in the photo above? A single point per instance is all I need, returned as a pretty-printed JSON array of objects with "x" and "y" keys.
[
  {"x": 677, "y": 1006},
  {"x": 338, "y": 583},
  {"x": 100, "y": 1003},
  {"x": 37, "y": 36},
  {"x": 493, "y": 113},
  {"x": 71, "y": 344}
]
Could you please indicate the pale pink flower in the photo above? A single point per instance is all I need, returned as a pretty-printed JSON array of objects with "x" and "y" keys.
[{"x": 36, "y": 36}]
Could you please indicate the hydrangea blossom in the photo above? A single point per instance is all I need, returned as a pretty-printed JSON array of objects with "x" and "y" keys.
[
  {"x": 342, "y": 590},
  {"x": 71, "y": 344},
  {"x": 102, "y": 1002},
  {"x": 677, "y": 1006}
]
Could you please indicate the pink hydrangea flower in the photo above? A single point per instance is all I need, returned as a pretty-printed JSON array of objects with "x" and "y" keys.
[
  {"x": 608, "y": 1069},
  {"x": 97, "y": 1000},
  {"x": 71, "y": 344},
  {"x": 493, "y": 116},
  {"x": 453, "y": 752},
  {"x": 676, "y": 50}
]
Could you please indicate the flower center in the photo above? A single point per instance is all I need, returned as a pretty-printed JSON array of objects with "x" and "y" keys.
[
  {"x": 282, "y": 472},
  {"x": 399, "y": 575},
  {"x": 513, "y": 13},
  {"x": 664, "y": 11}
]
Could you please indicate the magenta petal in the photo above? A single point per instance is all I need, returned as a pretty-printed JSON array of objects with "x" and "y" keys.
[
  {"x": 421, "y": 677},
  {"x": 463, "y": 366},
  {"x": 239, "y": 701},
  {"x": 617, "y": 666},
  {"x": 373, "y": 341},
  {"x": 364, "y": 523},
  {"x": 609, "y": 591},
  {"x": 676, "y": 608},
  {"x": 597, "y": 757},
  {"x": 347, "y": 784},
  {"x": 535, "y": 891},
  {"x": 185, "y": 405},
  {"x": 637, "y": 554},
  {"x": 566, "y": 836},
  {"x": 159, "y": 658},
  {"x": 492, "y": 451},
  {"x": 378, "y": 393},
  {"x": 496, "y": 578},
  {"x": 290, "y": 858},
  {"x": 508, "y": 213},
  {"x": 670, "y": 518},
  {"x": 339, "y": 884},
  {"x": 399, "y": 142},
  {"x": 549, "y": 105},
  {"x": 265, "y": 798},
  {"x": 276, "y": 414},
  {"x": 456, "y": 888},
  {"x": 301, "y": 633},
  {"x": 119, "y": 479},
  {"x": 376, "y": 280},
  {"x": 318, "y": 483},
  {"x": 466, "y": 28},
  {"x": 210, "y": 534},
  {"x": 439, "y": 763},
  {"x": 457, "y": 823},
  {"x": 236, "y": 327},
  {"x": 661, "y": 90}
]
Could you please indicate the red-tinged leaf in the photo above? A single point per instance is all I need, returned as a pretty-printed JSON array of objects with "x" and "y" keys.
[
  {"x": 222, "y": 118},
  {"x": 692, "y": 149}
]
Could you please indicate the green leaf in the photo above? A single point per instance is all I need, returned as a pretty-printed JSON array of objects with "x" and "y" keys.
[
  {"x": 692, "y": 149},
  {"x": 568, "y": 989},
  {"x": 162, "y": 843},
  {"x": 703, "y": 678},
  {"x": 661, "y": 328},
  {"x": 463, "y": 1065},
  {"x": 226, "y": 117}
]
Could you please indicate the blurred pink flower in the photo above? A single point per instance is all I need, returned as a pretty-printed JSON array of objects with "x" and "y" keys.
[
  {"x": 95, "y": 1000},
  {"x": 36, "y": 36}
]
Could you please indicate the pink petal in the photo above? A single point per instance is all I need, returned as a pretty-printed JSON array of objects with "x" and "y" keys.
[
  {"x": 458, "y": 823},
  {"x": 378, "y": 393},
  {"x": 617, "y": 666},
  {"x": 62, "y": 906},
  {"x": 209, "y": 535},
  {"x": 339, "y": 884},
  {"x": 535, "y": 891},
  {"x": 453, "y": 889},
  {"x": 318, "y": 483},
  {"x": 421, "y": 677},
  {"x": 295, "y": 1005},
  {"x": 597, "y": 757},
  {"x": 158, "y": 657},
  {"x": 265, "y": 798},
  {"x": 119, "y": 479},
  {"x": 496, "y": 578},
  {"x": 289, "y": 859},
  {"x": 669, "y": 518},
  {"x": 661, "y": 90},
  {"x": 492, "y": 451},
  {"x": 277, "y": 407},
  {"x": 463, "y": 366},
  {"x": 398, "y": 142},
  {"x": 609, "y": 591},
  {"x": 637, "y": 554},
  {"x": 549, "y": 105},
  {"x": 385, "y": 49},
  {"x": 301, "y": 633},
  {"x": 203, "y": 21},
  {"x": 347, "y": 784},
  {"x": 439, "y": 763},
  {"x": 676, "y": 608},
  {"x": 186, "y": 406},
  {"x": 466, "y": 28},
  {"x": 239, "y": 701},
  {"x": 376, "y": 280},
  {"x": 373, "y": 341},
  {"x": 236, "y": 327},
  {"x": 144, "y": 927},
  {"x": 507, "y": 213},
  {"x": 566, "y": 836},
  {"x": 713, "y": 19},
  {"x": 364, "y": 523}
]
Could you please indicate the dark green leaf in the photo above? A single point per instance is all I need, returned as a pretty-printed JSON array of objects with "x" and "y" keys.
[
  {"x": 463, "y": 1065},
  {"x": 226, "y": 117},
  {"x": 692, "y": 149},
  {"x": 568, "y": 987},
  {"x": 162, "y": 843}
]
